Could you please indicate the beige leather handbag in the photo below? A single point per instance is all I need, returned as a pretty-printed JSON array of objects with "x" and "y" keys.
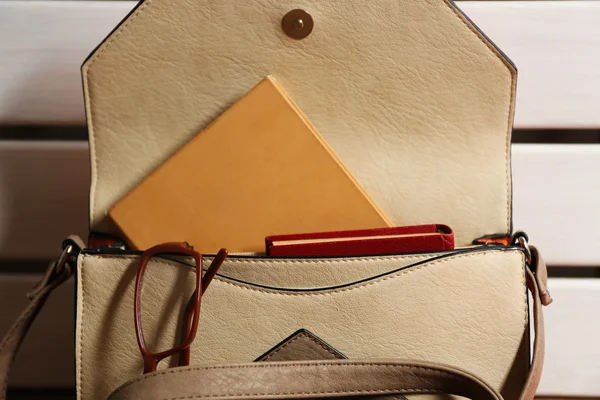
[{"x": 418, "y": 103}]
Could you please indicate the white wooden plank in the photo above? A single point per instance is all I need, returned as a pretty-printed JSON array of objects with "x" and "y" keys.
[
  {"x": 44, "y": 190},
  {"x": 572, "y": 339},
  {"x": 572, "y": 331},
  {"x": 556, "y": 200},
  {"x": 47, "y": 357},
  {"x": 555, "y": 45},
  {"x": 44, "y": 44},
  {"x": 44, "y": 196}
]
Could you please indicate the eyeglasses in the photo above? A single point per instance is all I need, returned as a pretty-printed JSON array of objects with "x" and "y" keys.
[{"x": 151, "y": 359}]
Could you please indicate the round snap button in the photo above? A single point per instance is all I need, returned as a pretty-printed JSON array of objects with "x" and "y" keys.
[{"x": 297, "y": 24}]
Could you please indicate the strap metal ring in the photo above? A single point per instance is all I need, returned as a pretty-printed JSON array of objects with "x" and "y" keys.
[
  {"x": 60, "y": 264},
  {"x": 521, "y": 240}
]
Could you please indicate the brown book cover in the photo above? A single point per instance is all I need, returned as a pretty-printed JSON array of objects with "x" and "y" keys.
[{"x": 259, "y": 169}]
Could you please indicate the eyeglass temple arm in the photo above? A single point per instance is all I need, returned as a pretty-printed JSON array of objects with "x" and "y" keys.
[{"x": 184, "y": 355}]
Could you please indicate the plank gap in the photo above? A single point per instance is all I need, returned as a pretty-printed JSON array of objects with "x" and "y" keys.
[
  {"x": 43, "y": 132},
  {"x": 556, "y": 136},
  {"x": 80, "y": 133}
]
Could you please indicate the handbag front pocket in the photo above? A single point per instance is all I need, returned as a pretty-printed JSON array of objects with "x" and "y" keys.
[{"x": 457, "y": 308}]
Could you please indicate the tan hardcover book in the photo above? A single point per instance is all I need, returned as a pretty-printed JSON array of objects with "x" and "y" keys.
[{"x": 259, "y": 169}]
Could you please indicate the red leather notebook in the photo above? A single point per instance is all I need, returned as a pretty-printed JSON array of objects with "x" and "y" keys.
[{"x": 396, "y": 240}]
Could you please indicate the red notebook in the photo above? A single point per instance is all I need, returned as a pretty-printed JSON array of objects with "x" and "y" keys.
[{"x": 396, "y": 240}]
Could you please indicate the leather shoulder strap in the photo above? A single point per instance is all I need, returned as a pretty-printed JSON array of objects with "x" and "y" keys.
[
  {"x": 57, "y": 273},
  {"x": 537, "y": 282},
  {"x": 305, "y": 380},
  {"x": 384, "y": 376}
]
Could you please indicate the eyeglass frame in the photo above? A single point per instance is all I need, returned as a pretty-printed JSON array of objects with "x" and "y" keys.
[{"x": 151, "y": 360}]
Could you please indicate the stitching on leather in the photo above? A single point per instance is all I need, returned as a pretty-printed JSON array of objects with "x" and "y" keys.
[
  {"x": 320, "y": 344},
  {"x": 282, "y": 364},
  {"x": 287, "y": 261},
  {"x": 81, "y": 330},
  {"x": 511, "y": 107},
  {"x": 348, "y": 288},
  {"x": 277, "y": 350},
  {"x": 452, "y": 7},
  {"x": 345, "y": 392},
  {"x": 91, "y": 62},
  {"x": 92, "y": 147},
  {"x": 333, "y": 353},
  {"x": 525, "y": 318},
  {"x": 283, "y": 261},
  {"x": 79, "y": 389},
  {"x": 303, "y": 334},
  {"x": 356, "y": 286},
  {"x": 257, "y": 262},
  {"x": 328, "y": 260},
  {"x": 526, "y": 291}
]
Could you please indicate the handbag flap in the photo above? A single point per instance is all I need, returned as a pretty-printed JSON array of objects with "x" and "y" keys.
[{"x": 414, "y": 99}]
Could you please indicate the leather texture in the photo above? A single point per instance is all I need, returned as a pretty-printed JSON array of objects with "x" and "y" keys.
[
  {"x": 537, "y": 284},
  {"x": 306, "y": 380},
  {"x": 467, "y": 309},
  {"x": 303, "y": 345},
  {"x": 416, "y": 102},
  {"x": 57, "y": 273},
  {"x": 15, "y": 335},
  {"x": 306, "y": 273}
]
